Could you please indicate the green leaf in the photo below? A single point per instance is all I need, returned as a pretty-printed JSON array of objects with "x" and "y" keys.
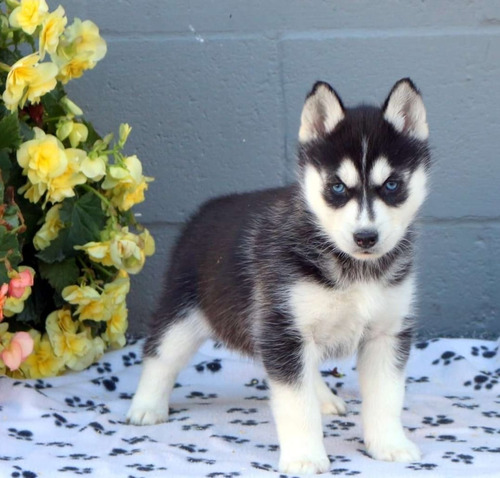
[
  {"x": 9, "y": 247},
  {"x": 60, "y": 274},
  {"x": 51, "y": 102},
  {"x": 5, "y": 167},
  {"x": 84, "y": 219},
  {"x": 10, "y": 136}
]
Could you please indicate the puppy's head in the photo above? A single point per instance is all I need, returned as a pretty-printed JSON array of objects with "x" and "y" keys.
[{"x": 363, "y": 171}]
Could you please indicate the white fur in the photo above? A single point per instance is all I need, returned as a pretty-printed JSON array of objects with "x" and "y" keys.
[
  {"x": 406, "y": 112},
  {"x": 380, "y": 172},
  {"x": 382, "y": 391},
  {"x": 296, "y": 411},
  {"x": 348, "y": 174},
  {"x": 150, "y": 402},
  {"x": 321, "y": 113}
]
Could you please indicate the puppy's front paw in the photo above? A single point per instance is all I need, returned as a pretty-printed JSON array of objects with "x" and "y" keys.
[
  {"x": 305, "y": 464},
  {"x": 333, "y": 405},
  {"x": 402, "y": 450},
  {"x": 146, "y": 416}
]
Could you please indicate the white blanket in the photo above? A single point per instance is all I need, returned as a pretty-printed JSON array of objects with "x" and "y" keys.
[{"x": 221, "y": 426}]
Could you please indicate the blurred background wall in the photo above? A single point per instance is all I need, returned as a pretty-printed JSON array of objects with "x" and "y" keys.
[{"x": 214, "y": 89}]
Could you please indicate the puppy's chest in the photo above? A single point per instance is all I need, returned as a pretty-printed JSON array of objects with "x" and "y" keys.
[{"x": 338, "y": 319}]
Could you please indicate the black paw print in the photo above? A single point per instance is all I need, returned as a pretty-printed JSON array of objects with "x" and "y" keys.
[
  {"x": 262, "y": 466},
  {"x": 344, "y": 472},
  {"x": 422, "y": 466},
  {"x": 485, "y": 379},
  {"x": 131, "y": 359},
  {"x": 245, "y": 411},
  {"x": 77, "y": 402},
  {"x": 446, "y": 438},
  {"x": 247, "y": 423},
  {"x": 231, "y": 439},
  {"x": 147, "y": 468},
  {"x": 484, "y": 351},
  {"x": 257, "y": 384},
  {"x": 135, "y": 440},
  {"x": 60, "y": 421},
  {"x": 340, "y": 425},
  {"x": 417, "y": 380},
  {"x": 213, "y": 366},
  {"x": 192, "y": 459},
  {"x": 338, "y": 459},
  {"x": 102, "y": 367},
  {"x": 272, "y": 448},
  {"x": 485, "y": 449},
  {"x": 196, "y": 426},
  {"x": 447, "y": 358},
  {"x": 24, "y": 435},
  {"x": 109, "y": 383},
  {"x": 492, "y": 414},
  {"x": 37, "y": 385},
  {"x": 98, "y": 428},
  {"x": 77, "y": 471},
  {"x": 190, "y": 448},
  {"x": 437, "y": 421},
  {"x": 458, "y": 458},
  {"x": 20, "y": 473},
  {"x": 219, "y": 474},
  {"x": 122, "y": 452},
  {"x": 201, "y": 395}
]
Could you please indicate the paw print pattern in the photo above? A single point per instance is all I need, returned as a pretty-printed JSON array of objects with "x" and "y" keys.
[
  {"x": 257, "y": 384},
  {"x": 447, "y": 357},
  {"x": 437, "y": 421},
  {"x": 109, "y": 383},
  {"x": 484, "y": 379},
  {"x": 131, "y": 359},
  {"x": 24, "y": 435},
  {"x": 202, "y": 396},
  {"x": 459, "y": 458},
  {"x": 422, "y": 466},
  {"x": 213, "y": 366},
  {"x": 231, "y": 439},
  {"x": 484, "y": 351},
  {"x": 20, "y": 473}
]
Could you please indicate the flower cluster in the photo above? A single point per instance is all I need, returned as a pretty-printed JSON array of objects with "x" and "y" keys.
[{"x": 68, "y": 236}]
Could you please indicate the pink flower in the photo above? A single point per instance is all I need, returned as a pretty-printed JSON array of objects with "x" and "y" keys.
[
  {"x": 18, "y": 350},
  {"x": 18, "y": 284},
  {"x": 3, "y": 298}
]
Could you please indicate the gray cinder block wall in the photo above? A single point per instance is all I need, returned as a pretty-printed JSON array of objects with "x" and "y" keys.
[{"x": 214, "y": 89}]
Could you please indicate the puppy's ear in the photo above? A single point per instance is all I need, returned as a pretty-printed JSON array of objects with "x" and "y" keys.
[
  {"x": 405, "y": 110},
  {"x": 322, "y": 111}
]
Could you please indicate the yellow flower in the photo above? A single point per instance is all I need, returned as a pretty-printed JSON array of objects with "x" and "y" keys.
[
  {"x": 117, "y": 326},
  {"x": 76, "y": 132},
  {"x": 29, "y": 15},
  {"x": 126, "y": 185},
  {"x": 42, "y": 158},
  {"x": 117, "y": 290},
  {"x": 94, "y": 168},
  {"x": 91, "y": 304},
  {"x": 28, "y": 80},
  {"x": 72, "y": 69},
  {"x": 52, "y": 28},
  {"x": 98, "y": 252},
  {"x": 124, "y": 250},
  {"x": 61, "y": 187},
  {"x": 66, "y": 340},
  {"x": 80, "y": 48},
  {"x": 95, "y": 352},
  {"x": 50, "y": 229},
  {"x": 43, "y": 362}
]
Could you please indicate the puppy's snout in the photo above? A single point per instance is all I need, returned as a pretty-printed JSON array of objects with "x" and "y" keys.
[{"x": 366, "y": 238}]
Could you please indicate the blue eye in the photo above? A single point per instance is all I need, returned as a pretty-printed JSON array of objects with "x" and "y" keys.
[
  {"x": 391, "y": 186},
  {"x": 338, "y": 188}
]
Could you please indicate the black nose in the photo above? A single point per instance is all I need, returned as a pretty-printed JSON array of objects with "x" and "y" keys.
[{"x": 366, "y": 239}]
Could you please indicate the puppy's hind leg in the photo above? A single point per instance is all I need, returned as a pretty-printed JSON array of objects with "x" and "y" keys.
[
  {"x": 164, "y": 358},
  {"x": 330, "y": 403}
]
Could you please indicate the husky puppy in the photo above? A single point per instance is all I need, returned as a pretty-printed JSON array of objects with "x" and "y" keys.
[{"x": 322, "y": 268}]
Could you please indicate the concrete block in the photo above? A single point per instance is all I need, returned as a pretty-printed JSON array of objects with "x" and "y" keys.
[{"x": 206, "y": 117}]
